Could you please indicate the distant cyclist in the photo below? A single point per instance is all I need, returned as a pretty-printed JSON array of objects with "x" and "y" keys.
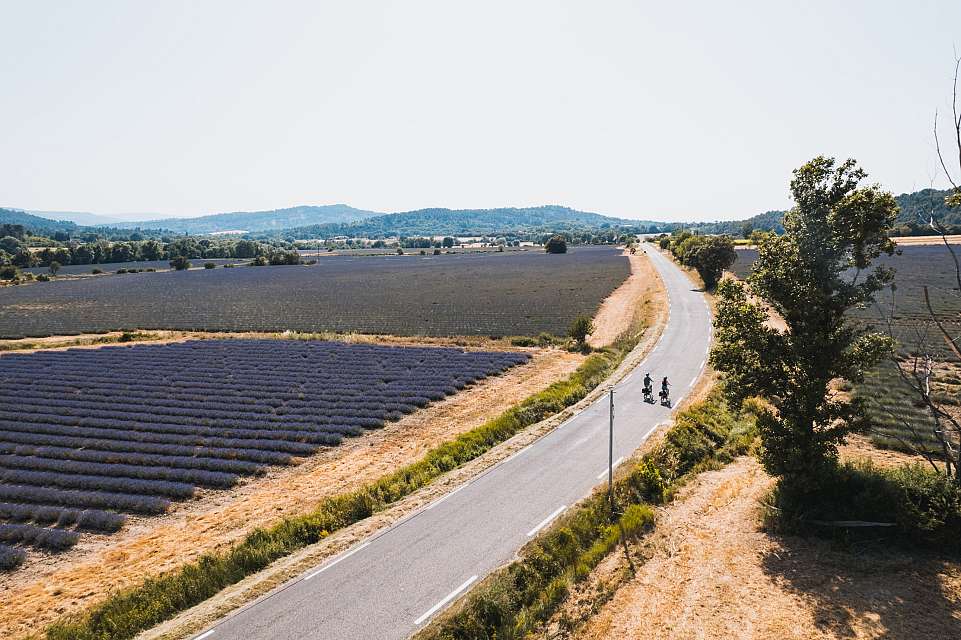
[
  {"x": 665, "y": 386},
  {"x": 648, "y": 388}
]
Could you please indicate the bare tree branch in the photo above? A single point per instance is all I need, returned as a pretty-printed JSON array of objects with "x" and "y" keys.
[{"x": 951, "y": 342}]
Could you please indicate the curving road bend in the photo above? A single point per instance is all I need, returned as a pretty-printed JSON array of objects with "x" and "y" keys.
[{"x": 392, "y": 584}]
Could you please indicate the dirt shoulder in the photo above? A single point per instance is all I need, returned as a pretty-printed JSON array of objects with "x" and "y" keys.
[
  {"x": 916, "y": 240},
  {"x": 48, "y": 586},
  {"x": 635, "y": 302},
  {"x": 710, "y": 572}
]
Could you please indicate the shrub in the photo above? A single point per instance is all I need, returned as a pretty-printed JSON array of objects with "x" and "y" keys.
[
  {"x": 121, "y": 271},
  {"x": 95, "y": 271},
  {"x": 9, "y": 272},
  {"x": 43, "y": 277},
  {"x": 180, "y": 263},
  {"x": 10, "y": 557},
  {"x": 924, "y": 506},
  {"x": 229, "y": 265},
  {"x": 436, "y": 252},
  {"x": 259, "y": 261},
  {"x": 557, "y": 244},
  {"x": 580, "y": 328},
  {"x": 54, "y": 267},
  {"x": 284, "y": 258},
  {"x": 210, "y": 265}
]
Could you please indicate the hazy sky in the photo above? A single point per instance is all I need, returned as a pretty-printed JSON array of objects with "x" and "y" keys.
[{"x": 637, "y": 109}]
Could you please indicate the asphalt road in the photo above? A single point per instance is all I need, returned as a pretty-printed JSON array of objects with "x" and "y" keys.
[{"x": 391, "y": 585}]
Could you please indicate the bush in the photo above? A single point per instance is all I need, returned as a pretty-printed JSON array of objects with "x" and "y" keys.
[
  {"x": 9, "y": 272},
  {"x": 180, "y": 263},
  {"x": 580, "y": 328},
  {"x": 557, "y": 244},
  {"x": 95, "y": 271},
  {"x": 43, "y": 277},
  {"x": 209, "y": 265},
  {"x": 924, "y": 506},
  {"x": 284, "y": 258},
  {"x": 121, "y": 271},
  {"x": 54, "y": 267},
  {"x": 10, "y": 557},
  {"x": 259, "y": 261},
  {"x": 436, "y": 252}
]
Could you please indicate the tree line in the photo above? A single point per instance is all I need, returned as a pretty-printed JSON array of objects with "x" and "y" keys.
[{"x": 14, "y": 250}]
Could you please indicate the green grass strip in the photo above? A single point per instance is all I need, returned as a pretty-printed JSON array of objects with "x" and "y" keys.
[
  {"x": 513, "y": 601},
  {"x": 130, "y": 611}
]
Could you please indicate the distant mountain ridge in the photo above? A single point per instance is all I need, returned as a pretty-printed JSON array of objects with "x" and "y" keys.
[
  {"x": 83, "y": 218},
  {"x": 254, "y": 221},
  {"x": 340, "y": 219},
  {"x": 36, "y": 223},
  {"x": 464, "y": 222}
]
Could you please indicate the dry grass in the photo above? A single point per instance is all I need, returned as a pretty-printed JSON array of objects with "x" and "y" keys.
[
  {"x": 633, "y": 303},
  {"x": 712, "y": 573},
  {"x": 916, "y": 240}
]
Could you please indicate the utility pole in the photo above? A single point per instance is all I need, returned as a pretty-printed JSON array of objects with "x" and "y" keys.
[{"x": 610, "y": 453}]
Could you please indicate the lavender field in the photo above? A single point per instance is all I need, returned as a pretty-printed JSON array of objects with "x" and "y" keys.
[
  {"x": 490, "y": 294},
  {"x": 89, "y": 435}
]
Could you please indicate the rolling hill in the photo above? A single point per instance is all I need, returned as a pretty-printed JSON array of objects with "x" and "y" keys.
[
  {"x": 464, "y": 222},
  {"x": 254, "y": 221},
  {"x": 35, "y": 223}
]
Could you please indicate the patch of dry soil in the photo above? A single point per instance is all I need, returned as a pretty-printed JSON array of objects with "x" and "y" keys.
[
  {"x": 914, "y": 240},
  {"x": 629, "y": 302},
  {"x": 712, "y": 573}
]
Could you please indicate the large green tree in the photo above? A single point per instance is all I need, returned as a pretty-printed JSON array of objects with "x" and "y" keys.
[{"x": 815, "y": 272}]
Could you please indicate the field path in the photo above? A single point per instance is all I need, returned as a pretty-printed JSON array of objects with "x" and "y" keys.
[{"x": 393, "y": 583}]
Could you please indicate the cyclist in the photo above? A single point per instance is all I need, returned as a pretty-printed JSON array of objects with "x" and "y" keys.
[
  {"x": 648, "y": 387},
  {"x": 665, "y": 385}
]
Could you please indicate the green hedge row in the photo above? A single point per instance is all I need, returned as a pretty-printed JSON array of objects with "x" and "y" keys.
[
  {"x": 513, "y": 601},
  {"x": 130, "y": 611}
]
